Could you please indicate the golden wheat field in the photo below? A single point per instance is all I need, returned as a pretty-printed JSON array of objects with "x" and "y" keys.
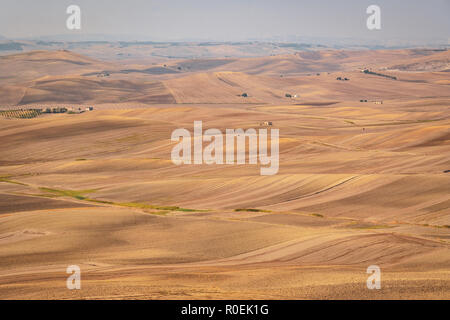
[{"x": 359, "y": 183}]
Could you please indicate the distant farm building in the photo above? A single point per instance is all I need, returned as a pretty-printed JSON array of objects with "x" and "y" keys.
[
  {"x": 73, "y": 110},
  {"x": 266, "y": 123},
  {"x": 89, "y": 108},
  {"x": 103, "y": 74}
]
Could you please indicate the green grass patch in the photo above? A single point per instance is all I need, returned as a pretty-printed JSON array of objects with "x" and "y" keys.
[
  {"x": 143, "y": 206},
  {"x": 134, "y": 205},
  {"x": 375, "y": 226},
  {"x": 81, "y": 195},
  {"x": 81, "y": 159},
  {"x": 159, "y": 213},
  {"x": 250, "y": 210},
  {"x": 99, "y": 201},
  {"x": 154, "y": 207},
  {"x": 45, "y": 195},
  {"x": 7, "y": 180},
  {"x": 190, "y": 210},
  {"x": 317, "y": 215},
  {"x": 77, "y": 194}
]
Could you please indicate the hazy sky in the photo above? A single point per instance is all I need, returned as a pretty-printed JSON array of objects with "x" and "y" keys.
[{"x": 229, "y": 19}]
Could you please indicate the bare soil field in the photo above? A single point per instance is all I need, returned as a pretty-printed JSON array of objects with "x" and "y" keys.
[{"x": 359, "y": 183}]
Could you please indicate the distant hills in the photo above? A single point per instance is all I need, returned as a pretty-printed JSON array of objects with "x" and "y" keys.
[
  {"x": 62, "y": 76},
  {"x": 159, "y": 51}
]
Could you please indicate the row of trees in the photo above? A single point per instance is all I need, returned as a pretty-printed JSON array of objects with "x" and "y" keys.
[{"x": 21, "y": 114}]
